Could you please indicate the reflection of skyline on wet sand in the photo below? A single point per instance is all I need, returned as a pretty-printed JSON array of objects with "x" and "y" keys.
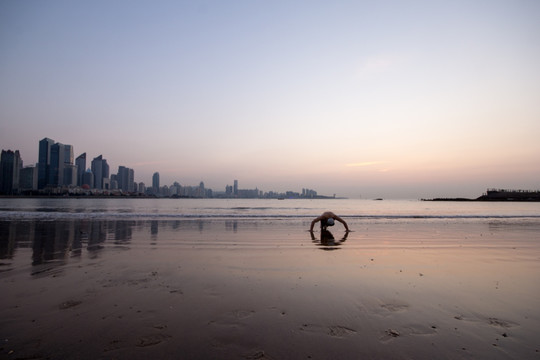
[
  {"x": 55, "y": 242},
  {"x": 417, "y": 288}
]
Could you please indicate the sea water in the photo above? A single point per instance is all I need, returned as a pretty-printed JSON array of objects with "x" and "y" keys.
[
  {"x": 48, "y": 229},
  {"x": 368, "y": 210}
]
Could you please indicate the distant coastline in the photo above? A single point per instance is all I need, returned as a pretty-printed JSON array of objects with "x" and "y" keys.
[
  {"x": 499, "y": 195},
  {"x": 37, "y": 195}
]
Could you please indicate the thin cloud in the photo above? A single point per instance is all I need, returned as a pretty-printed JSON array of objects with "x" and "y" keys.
[
  {"x": 377, "y": 65},
  {"x": 365, "y": 163},
  {"x": 148, "y": 163}
]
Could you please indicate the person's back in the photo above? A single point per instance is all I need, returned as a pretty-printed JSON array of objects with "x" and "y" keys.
[{"x": 327, "y": 219}]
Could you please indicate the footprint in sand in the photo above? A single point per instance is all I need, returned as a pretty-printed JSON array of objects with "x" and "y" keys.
[
  {"x": 420, "y": 329},
  {"x": 113, "y": 345},
  {"x": 395, "y": 307},
  {"x": 389, "y": 334},
  {"x": 69, "y": 304},
  {"x": 232, "y": 318},
  {"x": 151, "y": 340},
  {"x": 489, "y": 320},
  {"x": 501, "y": 323},
  {"x": 242, "y": 314},
  {"x": 334, "y": 331}
]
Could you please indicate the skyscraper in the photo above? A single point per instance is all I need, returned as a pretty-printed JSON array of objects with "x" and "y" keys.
[
  {"x": 121, "y": 178},
  {"x": 155, "y": 182},
  {"x": 10, "y": 167},
  {"x": 54, "y": 158},
  {"x": 56, "y": 165},
  {"x": 125, "y": 178},
  {"x": 81, "y": 167},
  {"x": 68, "y": 154},
  {"x": 28, "y": 178},
  {"x": 44, "y": 162},
  {"x": 100, "y": 169},
  {"x": 69, "y": 169},
  {"x": 131, "y": 180},
  {"x": 88, "y": 179},
  {"x": 235, "y": 190},
  {"x": 70, "y": 175},
  {"x": 141, "y": 188}
]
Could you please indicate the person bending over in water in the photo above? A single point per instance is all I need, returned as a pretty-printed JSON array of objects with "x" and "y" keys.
[{"x": 327, "y": 219}]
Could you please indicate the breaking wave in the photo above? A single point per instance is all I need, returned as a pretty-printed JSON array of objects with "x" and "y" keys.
[{"x": 120, "y": 215}]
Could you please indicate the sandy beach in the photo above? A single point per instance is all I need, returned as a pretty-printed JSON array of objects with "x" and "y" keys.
[{"x": 257, "y": 289}]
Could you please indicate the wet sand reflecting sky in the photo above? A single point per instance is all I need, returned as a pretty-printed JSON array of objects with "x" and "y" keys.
[{"x": 228, "y": 288}]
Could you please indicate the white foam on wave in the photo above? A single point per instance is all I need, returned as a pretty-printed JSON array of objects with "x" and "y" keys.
[{"x": 58, "y": 215}]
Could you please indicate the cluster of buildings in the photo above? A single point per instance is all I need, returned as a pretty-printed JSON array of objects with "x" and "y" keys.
[{"x": 57, "y": 172}]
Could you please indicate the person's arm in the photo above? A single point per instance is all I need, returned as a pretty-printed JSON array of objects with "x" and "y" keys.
[
  {"x": 342, "y": 221},
  {"x": 314, "y": 222}
]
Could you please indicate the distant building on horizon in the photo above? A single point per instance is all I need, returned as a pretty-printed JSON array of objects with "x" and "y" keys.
[
  {"x": 70, "y": 169},
  {"x": 100, "y": 169},
  {"x": 70, "y": 175},
  {"x": 56, "y": 165},
  {"x": 141, "y": 188},
  {"x": 155, "y": 183},
  {"x": 88, "y": 179},
  {"x": 28, "y": 178},
  {"x": 44, "y": 161},
  {"x": 10, "y": 167},
  {"x": 126, "y": 179},
  {"x": 81, "y": 167}
]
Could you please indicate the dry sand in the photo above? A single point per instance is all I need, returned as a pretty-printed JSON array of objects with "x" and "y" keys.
[{"x": 261, "y": 289}]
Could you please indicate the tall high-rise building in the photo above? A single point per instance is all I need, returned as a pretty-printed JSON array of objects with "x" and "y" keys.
[
  {"x": 141, "y": 188},
  {"x": 100, "y": 169},
  {"x": 70, "y": 175},
  {"x": 68, "y": 154},
  {"x": 88, "y": 179},
  {"x": 28, "y": 178},
  {"x": 235, "y": 190},
  {"x": 114, "y": 182},
  {"x": 44, "y": 161},
  {"x": 59, "y": 157},
  {"x": 81, "y": 167},
  {"x": 121, "y": 177},
  {"x": 56, "y": 168},
  {"x": 131, "y": 181},
  {"x": 126, "y": 178},
  {"x": 70, "y": 170},
  {"x": 155, "y": 182},
  {"x": 10, "y": 167}
]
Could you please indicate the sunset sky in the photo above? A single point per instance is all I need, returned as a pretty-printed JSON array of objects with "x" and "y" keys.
[{"x": 392, "y": 99}]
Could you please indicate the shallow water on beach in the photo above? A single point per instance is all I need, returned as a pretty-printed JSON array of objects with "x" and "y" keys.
[
  {"x": 245, "y": 279},
  {"x": 130, "y": 208}
]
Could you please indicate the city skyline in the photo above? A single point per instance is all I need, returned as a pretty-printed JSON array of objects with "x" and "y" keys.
[
  {"x": 361, "y": 99},
  {"x": 57, "y": 170}
]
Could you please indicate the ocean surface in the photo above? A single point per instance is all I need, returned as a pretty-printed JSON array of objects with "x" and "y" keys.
[
  {"x": 37, "y": 231},
  {"x": 175, "y": 209}
]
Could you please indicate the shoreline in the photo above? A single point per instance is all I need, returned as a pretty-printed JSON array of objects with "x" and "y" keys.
[{"x": 481, "y": 200}]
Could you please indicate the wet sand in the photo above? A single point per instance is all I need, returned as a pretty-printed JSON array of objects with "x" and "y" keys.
[{"x": 256, "y": 289}]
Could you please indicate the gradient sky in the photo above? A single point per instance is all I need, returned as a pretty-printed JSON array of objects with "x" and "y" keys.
[{"x": 393, "y": 99}]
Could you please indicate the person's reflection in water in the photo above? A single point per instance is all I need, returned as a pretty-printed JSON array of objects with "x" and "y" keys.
[
  {"x": 154, "y": 230},
  {"x": 327, "y": 241}
]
